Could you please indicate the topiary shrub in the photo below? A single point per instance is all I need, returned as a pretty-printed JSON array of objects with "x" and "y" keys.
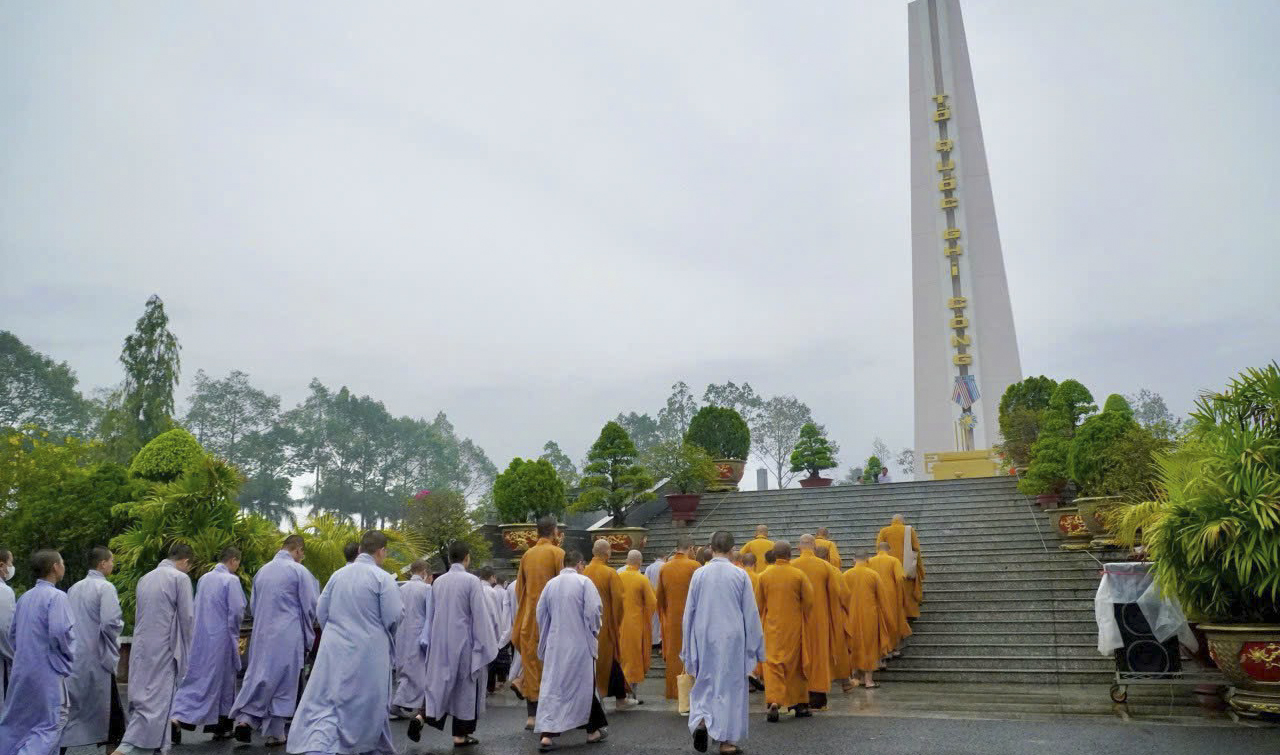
[
  {"x": 813, "y": 452},
  {"x": 528, "y": 487},
  {"x": 721, "y": 431},
  {"x": 1118, "y": 404},
  {"x": 612, "y": 478},
  {"x": 1096, "y": 443},
  {"x": 871, "y": 473},
  {"x": 167, "y": 456},
  {"x": 1050, "y": 453}
]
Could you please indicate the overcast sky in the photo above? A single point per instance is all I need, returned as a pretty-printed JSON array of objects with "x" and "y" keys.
[{"x": 533, "y": 216}]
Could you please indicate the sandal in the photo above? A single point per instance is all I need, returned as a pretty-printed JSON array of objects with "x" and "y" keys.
[
  {"x": 734, "y": 750},
  {"x": 604, "y": 734},
  {"x": 546, "y": 746},
  {"x": 700, "y": 739},
  {"x": 467, "y": 741},
  {"x": 415, "y": 729}
]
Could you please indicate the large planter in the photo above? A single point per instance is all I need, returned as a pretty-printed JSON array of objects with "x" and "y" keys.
[
  {"x": 731, "y": 471},
  {"x": 518, "y": 538},
  {"x": 816, "y": 482},
  {"x": 622, "y": 540},
  {"x": 1092, "y": 510},
  {"x": 1249, "y": 656},
  {"x": 1048, "y": 500},
  {"x": 683, "y": 505},
  {"x": 1070, "y": 526}
]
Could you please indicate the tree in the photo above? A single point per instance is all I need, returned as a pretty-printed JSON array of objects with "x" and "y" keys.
[
  {"x": 1022, "y": 409},
  {"x": 871, "y": 472},
  {"x": 563, "y": 464},
  {"x": 1150, "y": 411},
  {"x": 740, "y": 398},
  {"x": 813, "y": 452},
  {"x": 674, "y": 418},
  {"x": 684, "y": 466},
  {"x": 642, "y": 428},
  {"x": 907, "y": 461},
  {"x": 326, "y": 535},
  {"x": 612, "y": 479},
  {"x": 528, "y": 488},
  {"x": 776, "y": 432},
  {"x": 1050, "y": 453},
  {"x": 439, "y": 518},
  {"x": 880, "y": 450},
  {"x": 35, "y": 390},
  {"x": 1094, "y": 445},
  {"x": 167, "y": 456},
  {"x": 151, "y": 369},
  {"x": 225, "y": 413},
  {"x": 721, "y": 431}
]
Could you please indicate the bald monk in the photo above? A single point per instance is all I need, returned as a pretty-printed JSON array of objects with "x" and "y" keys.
[
  {"x": 839, "y": 639},
  {"x": 748, "y": 563},
  {"x": 890, "y": 570},
  {"x": 823, "y": 540},
  {"x": 769, "y": 559},
  {"x": 538, "y": 566},
  {"x": 826, "y": 624},
  {"x": 609, "y": 681},
  {"x": 673, "y": 588},
  {"x": 635, "y": 636},
  {"x": 786, "y": 599},
  {"x": 869, "y": 609},
  {"x": 905, "y": 546},
  {"x": 759, "y": 546}
]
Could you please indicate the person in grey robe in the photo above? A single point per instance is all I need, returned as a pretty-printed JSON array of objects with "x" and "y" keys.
[
  {"x": 209, "y": 687},
  {"x": 411, "y": 663},
  {"x": 497, "y": 597},
  {"x": 651, "y": 571},
  {"x": 460, "y": 641},
  {"x": 162, "y": 629},
  {"x": 343, "y": 710},
  {"x": 96, "y": 714},
  {"x": 723, "y": 642},
  {"x": 283, "y": 606},
  {"x": 513, "y": 610},
  {"x": 569, "y": 613},
  {"x": 44, "y": 650},
  {"x": 7, "y": 606}
]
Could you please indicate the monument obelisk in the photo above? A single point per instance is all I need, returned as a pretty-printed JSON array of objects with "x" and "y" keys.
[{"x": 966, "y": 351}]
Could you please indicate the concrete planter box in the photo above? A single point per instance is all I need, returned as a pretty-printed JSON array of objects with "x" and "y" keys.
[{"x": 1070, "y": 526}]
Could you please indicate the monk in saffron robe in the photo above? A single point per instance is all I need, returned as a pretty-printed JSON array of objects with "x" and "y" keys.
[
  {"x": 890, "y": 570},
  {"x": 759, "y": 546},
  {"x": 635, "y": 638},
  {"x": 44, "y": 650},
  {"x": 749, "y": 565},
  {"x": 673, "y": 588},
  {"x": 723, "y": 641},
  {"x": 609, "y": 681},
  {"x": 96, "y": 714},
  {"x": 209, "y": 687},
  {"x": 905, "y": 546},
  {"x": 786, "y": 599},
  {"x": 538, "y": 566},
  {"x": 839, "y": 636},
  {"x": 869, "y": 609},
  {"x": 826, "y": 620},
  {"x": 823, "y": 540}
]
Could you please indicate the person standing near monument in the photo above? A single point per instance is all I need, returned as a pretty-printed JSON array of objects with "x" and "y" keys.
[
  {"x": 722, "y": 643},
  {"x": 609, "y": 679},
  {"x": 639, "y": 606},
  {"x": 905, "y": 546},
  {"x": 208, "y": 689},
  {"x": 411, "y": 664},
  {"x": 673, "y": 589},
  {"x": 343, "y": 710},
  {"x": 538, "y": 566},
  {"x": 568, "y": 615},
  {"x": 283, "y": 605},
  {"x": 7, "y": 606},
  {"x": 44, "y": 653},
  {"x": 97, "y": 716},
  {"x": 786, "y": 597},
  {"x": 759, "y": 546}
]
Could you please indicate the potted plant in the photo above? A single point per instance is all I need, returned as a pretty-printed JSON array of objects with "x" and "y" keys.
[
  {"x": 1047, "y": 475},
  {"x": 686, "y": 468},
  {"x": 614, "y": 480},
  {"x": 1091, "y": 462},
  {"x": 871, "y": 472},
  {"x": 526, "y": 491},
  {"x": 813, "y": 453},
  {"x": 1022, "y": 409},
  {"x": 1214, "y": 543},
  {"x": 723, "y": 434}
]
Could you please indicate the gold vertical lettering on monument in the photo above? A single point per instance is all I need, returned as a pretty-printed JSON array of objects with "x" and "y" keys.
[{"x": 948, "y": 186}]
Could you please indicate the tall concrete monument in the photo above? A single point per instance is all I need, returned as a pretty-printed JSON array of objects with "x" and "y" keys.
[{"x": 966, "y": 351}]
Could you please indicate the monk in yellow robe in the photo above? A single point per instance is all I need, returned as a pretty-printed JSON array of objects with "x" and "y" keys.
[
  {"x": 890, "y": 570},
  {"x": 538, "y": 566},
  {"x": 869, "y": 609},
  {"x": 897, "y": 536},
  {"x": 759, "y": 546},
  {"x": 839, "y": 639},
  {"x": 786, "y": 599},
  {"x": 673, "y": 588},
  {"x": 748, "y": 562},
  {"x": 826, "y": 620},
  {"x": 823, "y": 540},
  {"x": 635, "y": 636},
  {"x": 609, "y": 679}
]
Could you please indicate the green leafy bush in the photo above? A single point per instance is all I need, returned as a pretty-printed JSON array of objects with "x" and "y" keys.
[
  {"x": 528, "y": 488},
  {"x": 1117, "y": 404},
  {"x": 612, "y": 479},
  {"x": 813, "y": 452},
  {"x": 686, "y": 467},
  {"x": 871, "y": 472},
  {"x": 167, "y": 456},
  {"x": 1050, "y": 453},
  {"x": 1096, "y": 444},
  {"x": 1022, "y": 409},
  {"x": 1216, "y": 545},
  {"x": 721, "y": 431}
]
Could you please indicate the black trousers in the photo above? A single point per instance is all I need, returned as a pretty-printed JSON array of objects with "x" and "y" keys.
[
  {"x": 460, "y": 727},
  {"x": 596, "y": 722},
  {"x": 617, "y": 682}
]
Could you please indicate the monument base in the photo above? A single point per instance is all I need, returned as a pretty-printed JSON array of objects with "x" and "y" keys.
[{"x": 955, "y": 465}]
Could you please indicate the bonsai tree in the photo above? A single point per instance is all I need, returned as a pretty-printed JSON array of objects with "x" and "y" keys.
[
  {"x": 721, "y": 431},
  {"x": 167, "y": 456},
  {"x": 1048, "y": 472},
  {"x": 686, "y": 467},
  {"x": 1097, "y": 443},
  {"x": 1214, "y": 546},
  {"x": 612, "y": 479},
  {"x": 529, "y": 488},
  {"x": 813, "y": 453},
  {"x": 510, "y": 505},
  {"x": 871, "y": 472},
  {"x": 1022, "y": 409}
]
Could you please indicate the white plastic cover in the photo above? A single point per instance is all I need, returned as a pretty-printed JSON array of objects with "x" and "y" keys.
[{"x": 1132, "y": 582}]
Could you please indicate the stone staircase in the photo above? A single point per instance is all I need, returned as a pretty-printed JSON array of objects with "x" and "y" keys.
[{"x": 1002, "y": 603}]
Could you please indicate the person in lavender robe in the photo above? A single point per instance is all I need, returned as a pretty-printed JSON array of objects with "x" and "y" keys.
[
  {"x": 723, "y": 642},
  {"x": 44, "y": 651},
  {"x": 161, "y": 645},
  {"x": 569, "y": 614},
  {"x": 497, "y": 598},
  {"x": 411, "y": 663},
  {"x": 7, "y": 606},
  {"x": 651, "y": 571},
  {"x": 460, "y": 640},
  {"x": 283, "y": 606},
  {"x": 96, "y": 714},
  {"x": 517, "y": 666},
  {"x": 209, "y": 688},
  {"x": 343, "y": 710}
]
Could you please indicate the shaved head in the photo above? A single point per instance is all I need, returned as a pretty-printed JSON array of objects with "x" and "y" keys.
[
  {"x": 806, "y": 542},
  {"x": 883, "y": 547},
  {"x": 898, "y": 519},
  {"x": 684, "y": 543},
  {"x": 601, "y": 548},
  {"x": 860, "y": 554},
  {"x": 635, "y": 558},
  {"x": 824, "y": 533},
  {"x": 748, "y": 559},
  {"x": 762, "y": 530},
  {"x": 822, "y": 552},
  {"x": 782, "y": 549}
]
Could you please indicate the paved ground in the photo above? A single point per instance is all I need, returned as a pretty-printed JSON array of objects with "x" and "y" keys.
[{"x": 654, "y": 732}]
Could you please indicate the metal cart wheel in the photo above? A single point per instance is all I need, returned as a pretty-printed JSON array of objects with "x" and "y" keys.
[{"x": 1119, "y": 693}]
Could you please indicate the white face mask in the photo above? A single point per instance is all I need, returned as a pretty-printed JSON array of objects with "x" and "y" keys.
[{"x": 8, "y": 573}]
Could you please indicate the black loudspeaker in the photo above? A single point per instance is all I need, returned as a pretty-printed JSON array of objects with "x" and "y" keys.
[{"x": 1142, "y": 653}]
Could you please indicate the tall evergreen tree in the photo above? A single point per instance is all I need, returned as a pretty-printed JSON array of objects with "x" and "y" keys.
[
  {"x": 151, "y": 369},
  {"x": 612, "y": 478}
]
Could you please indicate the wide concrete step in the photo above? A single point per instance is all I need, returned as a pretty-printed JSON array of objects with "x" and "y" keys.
[
  {"x": 1011, "y": 577},
  {"x": 1005, "y": 592},
  {"x": 992, "y": 661},
  {"x": 1011, "y": 675},
  {"x": 988, "y": 621},
  {"x": 1045, "y": 650}
]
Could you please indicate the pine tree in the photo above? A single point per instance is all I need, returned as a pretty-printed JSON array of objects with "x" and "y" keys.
[
  {"x": 151, "y": 368},
  {"x": 813, "y": 452},
  {"x": 612, "y": 479}
]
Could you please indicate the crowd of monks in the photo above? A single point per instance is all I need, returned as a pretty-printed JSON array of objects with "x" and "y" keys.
[{"x": 566, "y": 634}]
